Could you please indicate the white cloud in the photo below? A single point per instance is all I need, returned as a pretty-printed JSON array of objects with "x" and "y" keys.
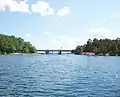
[
  {"x": 43, "y": 8},
  {"x": 3, "y": 4},
  {"x": 63, "y": 11},
  {"x": 23, "y": 7},
  {"x": 14, "y": 6},
  {"x": 101, "y": 33}
]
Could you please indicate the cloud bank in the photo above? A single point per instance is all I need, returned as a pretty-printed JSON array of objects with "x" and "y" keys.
[
  {"x": 14, "y": 6},
  {"x": 63, "y": 11},
  {"x": 41, "y": 7}
]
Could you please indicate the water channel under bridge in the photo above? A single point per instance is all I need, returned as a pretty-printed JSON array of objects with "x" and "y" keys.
[{"x": 55, "y": 51}]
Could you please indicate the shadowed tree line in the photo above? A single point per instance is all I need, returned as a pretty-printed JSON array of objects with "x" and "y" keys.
[
  {"x": 11, "y": 44},
  {"x": 100, "y": 46}
]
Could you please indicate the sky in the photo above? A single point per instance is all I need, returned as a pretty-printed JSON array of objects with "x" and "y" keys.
[{"x": 52, "y": 24}]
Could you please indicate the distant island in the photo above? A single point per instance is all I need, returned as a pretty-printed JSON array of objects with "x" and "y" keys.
[
  {"x": 12, "y": 44},
  {"x": 100, "y": 47}
]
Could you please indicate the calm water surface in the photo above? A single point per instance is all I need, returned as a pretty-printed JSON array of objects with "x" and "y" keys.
[{"x": 59, "y": 76}]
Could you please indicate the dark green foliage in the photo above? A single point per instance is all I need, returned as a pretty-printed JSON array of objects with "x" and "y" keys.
[
  {"x": 104, "y": 46},
  {"x": 72, "y": 51},
  {"x": 78, "y": 50},
  {"x": 11, "y": 44}
]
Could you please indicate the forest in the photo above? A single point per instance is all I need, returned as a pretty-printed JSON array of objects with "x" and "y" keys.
[
  {"x": 12, "y": 44},
  {"x": 100, "y": 46}
]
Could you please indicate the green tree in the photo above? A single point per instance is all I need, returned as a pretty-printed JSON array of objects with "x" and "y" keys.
[
  {"x": 104, "y": 46},
  {"x": 11, "y": 44}
]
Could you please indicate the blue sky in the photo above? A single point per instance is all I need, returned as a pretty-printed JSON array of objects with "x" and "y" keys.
[{"x": 50, "y": 24}]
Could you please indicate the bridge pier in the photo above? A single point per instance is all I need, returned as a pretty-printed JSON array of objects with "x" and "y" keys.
[
  {"x": 47, "y": 52},
  {"x": 60, "y": 52}
]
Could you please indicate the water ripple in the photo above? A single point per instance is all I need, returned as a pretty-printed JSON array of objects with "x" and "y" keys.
[{"x": 59, "y": 76}]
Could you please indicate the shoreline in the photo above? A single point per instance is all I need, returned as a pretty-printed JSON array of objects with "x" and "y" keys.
[
  {"x": 58, "y": 54},
  {"x": 19, "y": 53},
  {"x": 96, "y": 55}
]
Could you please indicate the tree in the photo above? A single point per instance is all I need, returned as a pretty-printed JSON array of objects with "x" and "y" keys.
[
  {"x": 11, "y": 44},
  {"x": 104, "y": 46},
  {"x": 78, "y": 49},
  {"x": 26, "y": 50}
]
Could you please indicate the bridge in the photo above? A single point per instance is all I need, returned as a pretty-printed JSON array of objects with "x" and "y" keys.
[{"x": 54, "y": 51}]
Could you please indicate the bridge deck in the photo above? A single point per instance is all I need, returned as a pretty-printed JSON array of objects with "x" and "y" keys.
[{"x": 55, "y": 50}]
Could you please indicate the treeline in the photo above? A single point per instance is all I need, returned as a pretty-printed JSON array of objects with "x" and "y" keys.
[
  {"x": 11, "y": 44},
  {"x": 100, "y": 46}
]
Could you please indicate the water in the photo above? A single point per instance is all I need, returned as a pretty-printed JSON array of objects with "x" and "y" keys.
[{"x": 59, "y": 76}]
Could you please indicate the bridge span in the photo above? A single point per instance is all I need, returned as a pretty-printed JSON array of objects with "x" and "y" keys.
[{"x": 54, "y": 51}]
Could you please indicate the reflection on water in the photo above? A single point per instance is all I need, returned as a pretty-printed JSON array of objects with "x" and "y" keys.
[{"x": 59, "y": 75}]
